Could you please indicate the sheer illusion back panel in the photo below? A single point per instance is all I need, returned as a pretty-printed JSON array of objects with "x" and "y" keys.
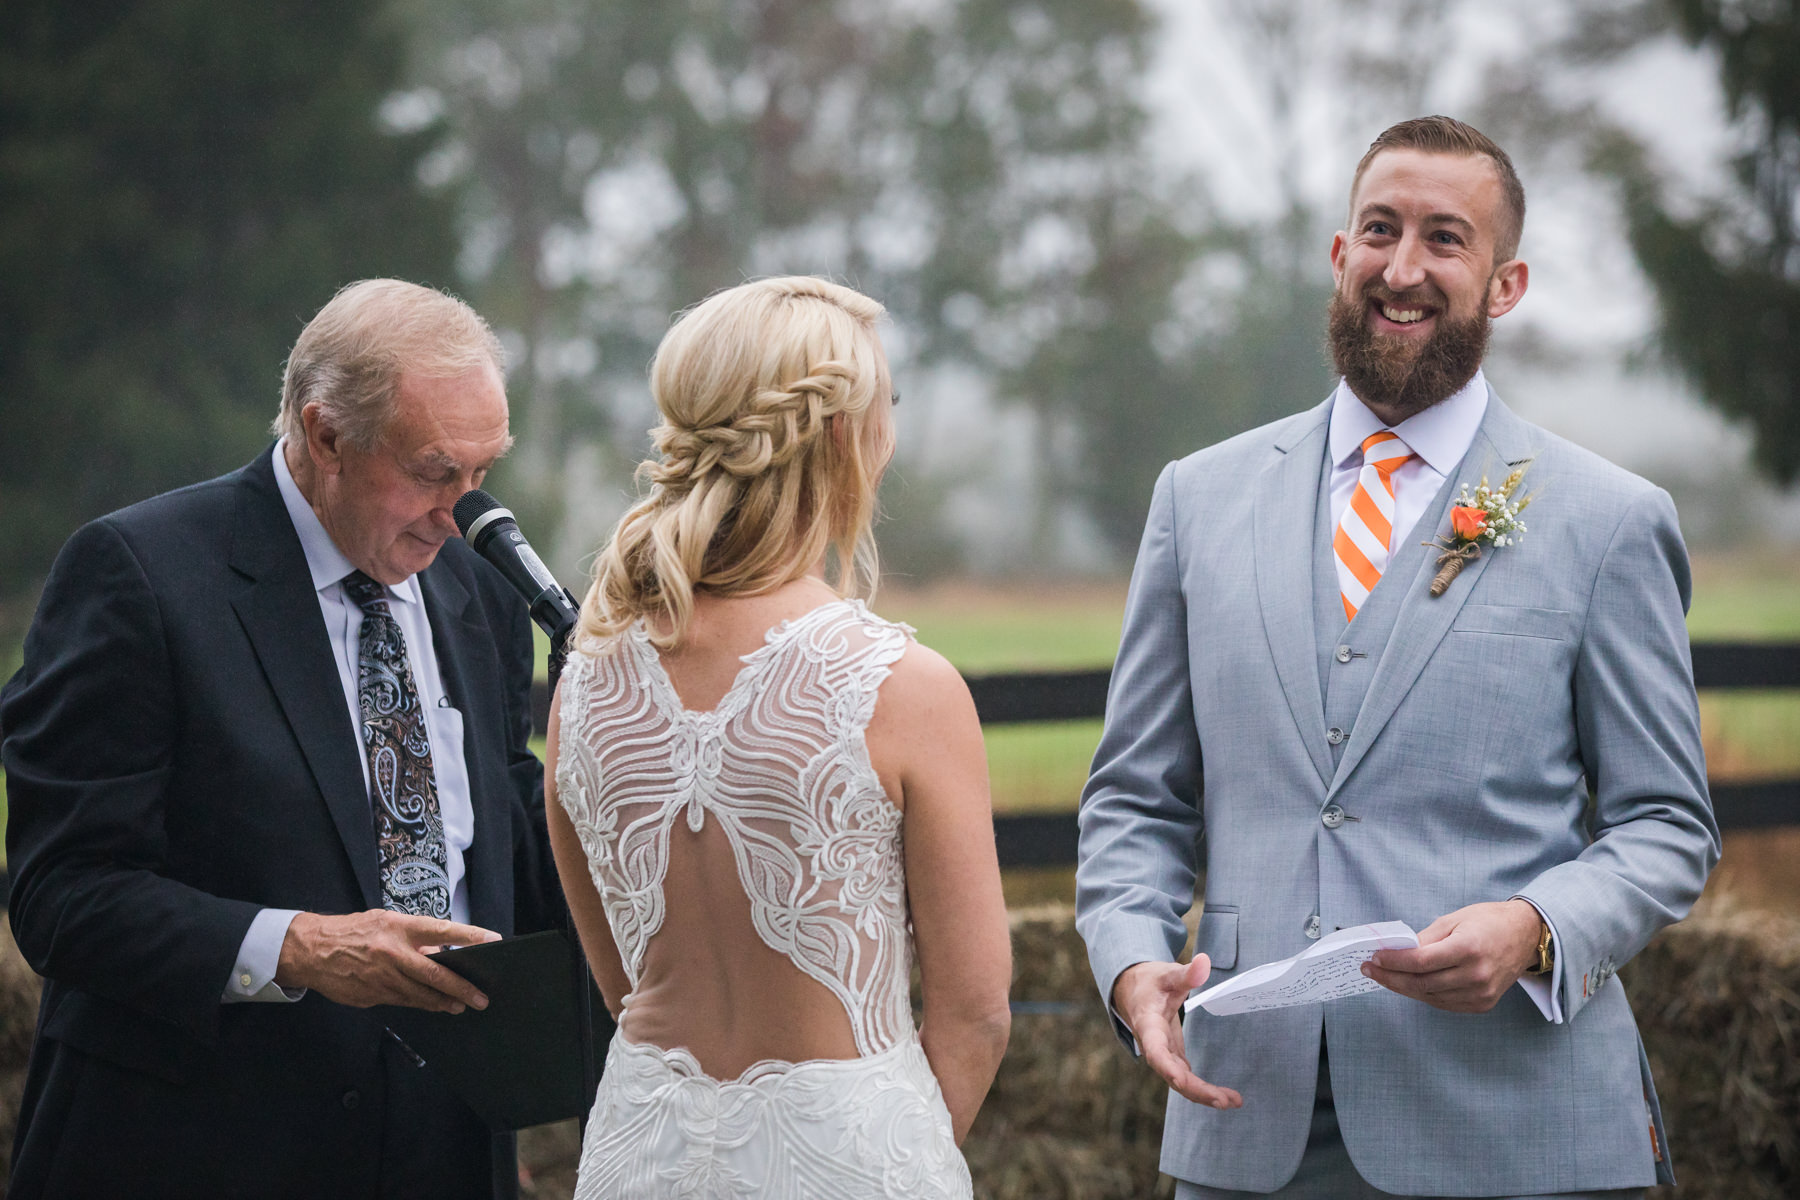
[
  {"x": 747, "y": 856},
  {"x": 711, "y": 985}
]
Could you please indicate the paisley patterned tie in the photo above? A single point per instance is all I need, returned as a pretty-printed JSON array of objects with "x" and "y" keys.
[{"x": 408, "y": 823}]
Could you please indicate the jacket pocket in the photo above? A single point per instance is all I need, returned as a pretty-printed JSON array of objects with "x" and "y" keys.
[
  {"x": 122, "y": 1036},
  {"x": 1550, "y": 623},
  {"x": 1217, "y": 937}
]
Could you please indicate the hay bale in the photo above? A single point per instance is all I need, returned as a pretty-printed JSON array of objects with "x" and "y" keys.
[
  {"x": 547, "y": 1158},
  {"x": 1718, "y": 1000},
  {"x": 1071, "y": 1115}
]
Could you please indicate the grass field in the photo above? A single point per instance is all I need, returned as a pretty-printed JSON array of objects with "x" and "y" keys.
[
  {"x": 1747, "y": 597},
  {"x": 1022, "y": 629},
  {"x": 983, "y": 628},
  {"x": 1748, "y": 734}
]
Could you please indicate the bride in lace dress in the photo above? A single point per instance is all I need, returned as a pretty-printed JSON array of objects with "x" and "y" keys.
[{"x": 766, "y": 802}]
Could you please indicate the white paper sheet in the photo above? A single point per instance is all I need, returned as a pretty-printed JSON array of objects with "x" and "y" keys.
[{"x": 1327, "y": 970}]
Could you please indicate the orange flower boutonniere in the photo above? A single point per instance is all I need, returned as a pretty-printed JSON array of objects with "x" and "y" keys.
[
  {"x": 1485, "y": 514},
  {"x": 1468, "y": 522}
]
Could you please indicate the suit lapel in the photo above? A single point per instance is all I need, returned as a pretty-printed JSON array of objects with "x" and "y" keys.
[
  {"x": 1284, "y": 514},
  {"x": 470, "y": 668},
  {"x": 279, "y": 611},
  {"x": 1502, "y": 441}
]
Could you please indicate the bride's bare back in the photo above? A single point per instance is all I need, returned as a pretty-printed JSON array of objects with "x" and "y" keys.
[{"x": 746, "y": 850}]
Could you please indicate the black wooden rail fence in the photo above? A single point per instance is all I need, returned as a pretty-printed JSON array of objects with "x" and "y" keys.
[{"x": 1048, "y": 839}]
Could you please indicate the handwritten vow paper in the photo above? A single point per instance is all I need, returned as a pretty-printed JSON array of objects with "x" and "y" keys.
[{"x": 1327, "y": 970}]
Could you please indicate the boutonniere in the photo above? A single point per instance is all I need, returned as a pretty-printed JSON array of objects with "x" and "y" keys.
[{"x": 1486, "y": 514}]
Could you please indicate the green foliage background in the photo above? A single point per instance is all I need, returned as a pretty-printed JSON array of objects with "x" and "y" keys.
[
  {"x": 1723, "y": 259},
  {"x": 1729, "y": 281},
  {"x": 979, "y": 166},
  {"x": 182, "y": 183}
]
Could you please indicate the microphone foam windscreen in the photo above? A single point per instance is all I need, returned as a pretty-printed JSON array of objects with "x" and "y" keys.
[{"x": 469, "y": 508}]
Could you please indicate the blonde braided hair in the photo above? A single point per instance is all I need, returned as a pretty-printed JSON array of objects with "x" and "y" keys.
[{"x": 770, "y": 455}]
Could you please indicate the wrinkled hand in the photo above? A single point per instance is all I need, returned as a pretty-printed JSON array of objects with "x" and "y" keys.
[
  {"x": 1148, "y": 997},
  {"x": 378, "y": 957},
  {"x": 1466, "y": 959}
]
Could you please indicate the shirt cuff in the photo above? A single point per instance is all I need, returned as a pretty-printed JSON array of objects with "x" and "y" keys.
[
  {"x": 253, "y": 977},
  {"x": 1124, "y": 1030},
  {"x": 1125, "y": 1033},
  {"x": 1545, "y": 991}
]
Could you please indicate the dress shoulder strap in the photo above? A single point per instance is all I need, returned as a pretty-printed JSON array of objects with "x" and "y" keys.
[{"x": 843, "y": 651}]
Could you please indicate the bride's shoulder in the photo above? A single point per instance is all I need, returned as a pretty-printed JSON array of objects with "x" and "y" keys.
[
  {"x": 589, "y": 651},
  {"x": 921, "y": 679},
  {"x": 925, "y": 725}
]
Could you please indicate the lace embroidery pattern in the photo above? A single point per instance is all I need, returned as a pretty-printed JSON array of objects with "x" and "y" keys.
[
  {"x": 781, "y": 765},
  {"x": 851, "y": 1129}
]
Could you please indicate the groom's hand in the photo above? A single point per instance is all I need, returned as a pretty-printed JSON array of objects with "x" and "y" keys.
[
  {"x": 1147, "y": 997},
  {"x": 1466, "y": 959}
]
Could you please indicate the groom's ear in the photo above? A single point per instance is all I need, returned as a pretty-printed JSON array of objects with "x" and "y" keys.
[
  {"x": 1506, "y": 287},
  {"x": 1338, "y": 241}
]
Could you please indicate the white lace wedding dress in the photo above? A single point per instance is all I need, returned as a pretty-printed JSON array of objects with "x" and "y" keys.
[{"x": 780, "y": 767}]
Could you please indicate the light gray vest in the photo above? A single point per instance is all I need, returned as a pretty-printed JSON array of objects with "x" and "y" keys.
[{"x": 1348, "y": 654}]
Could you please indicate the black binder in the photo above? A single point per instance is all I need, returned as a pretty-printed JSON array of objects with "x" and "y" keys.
[{"x": 519, "y": 1061}]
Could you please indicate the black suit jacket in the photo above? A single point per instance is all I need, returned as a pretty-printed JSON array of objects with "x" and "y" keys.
[{"x": 179, "y": 756}]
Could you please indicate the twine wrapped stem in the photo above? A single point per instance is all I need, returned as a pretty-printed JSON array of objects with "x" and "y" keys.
[{"x": 1450, "y": 564}]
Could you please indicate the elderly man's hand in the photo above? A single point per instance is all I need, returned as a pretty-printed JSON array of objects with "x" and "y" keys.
[
  {"x": 1148, "y": 996},
  {"x": 1466, "y": 959},
  {"x": 378, "y": 957}
]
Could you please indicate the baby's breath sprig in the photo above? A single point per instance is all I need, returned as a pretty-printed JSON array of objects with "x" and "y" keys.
[{"x": 1481, "y": 514}]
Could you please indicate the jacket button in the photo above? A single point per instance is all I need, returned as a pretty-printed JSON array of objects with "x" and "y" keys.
[
  {"x": 1334, "y": 735},
  {"x": 1343, "y": 654},
  {"x": 352, "y": 1098},
  {"x": 1312, "y": 927},
  {"x": 1333, "y": 816}
]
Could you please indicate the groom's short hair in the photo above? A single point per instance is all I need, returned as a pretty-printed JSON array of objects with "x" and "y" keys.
[{"x": 1447, "y": 135}]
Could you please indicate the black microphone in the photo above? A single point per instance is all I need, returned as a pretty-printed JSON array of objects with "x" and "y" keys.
[{"x": 493, "y": 532}]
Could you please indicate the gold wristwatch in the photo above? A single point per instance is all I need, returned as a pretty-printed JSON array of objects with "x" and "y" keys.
[{"x": 1546, "y": 951}]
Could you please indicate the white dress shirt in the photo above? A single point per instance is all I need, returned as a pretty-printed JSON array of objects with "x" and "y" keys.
[
  {"x": 1439, "y": 437},
  {"x": 253, "y": 976}
]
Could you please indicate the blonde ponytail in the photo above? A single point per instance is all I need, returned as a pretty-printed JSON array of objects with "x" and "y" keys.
[{"x": 770, "y": 453}]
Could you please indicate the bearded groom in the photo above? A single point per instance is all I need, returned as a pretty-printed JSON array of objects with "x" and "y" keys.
[{"x": 1512, "y": 767}]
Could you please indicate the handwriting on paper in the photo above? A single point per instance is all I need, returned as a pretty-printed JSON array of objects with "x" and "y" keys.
[{"x": 1330, "y": 969}]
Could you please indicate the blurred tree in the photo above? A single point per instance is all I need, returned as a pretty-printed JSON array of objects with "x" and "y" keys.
[
  {"x": 1729, "y": 279},
  {"x": 983, "y": 167},
  {"x": 1126, "y": 307},
  {"x": 1233, "y": 315},
  {"x": 1723, "y": 261},
  {"x": 182, "y": 183},
  {"x": 977, "y": 165}
]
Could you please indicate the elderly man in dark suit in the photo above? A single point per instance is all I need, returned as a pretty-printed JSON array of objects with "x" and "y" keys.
[{"x": 267, "y": 749}]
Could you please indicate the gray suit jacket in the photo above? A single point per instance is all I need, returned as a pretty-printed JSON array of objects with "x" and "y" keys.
[{"x": 1553, "y": 668}]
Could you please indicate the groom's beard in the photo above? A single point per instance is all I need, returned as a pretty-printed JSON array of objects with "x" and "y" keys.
[{"x": 1391, "y": 372}]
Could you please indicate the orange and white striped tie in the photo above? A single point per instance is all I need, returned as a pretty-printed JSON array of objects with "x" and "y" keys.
[{"x": 1365, "y": 534}]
